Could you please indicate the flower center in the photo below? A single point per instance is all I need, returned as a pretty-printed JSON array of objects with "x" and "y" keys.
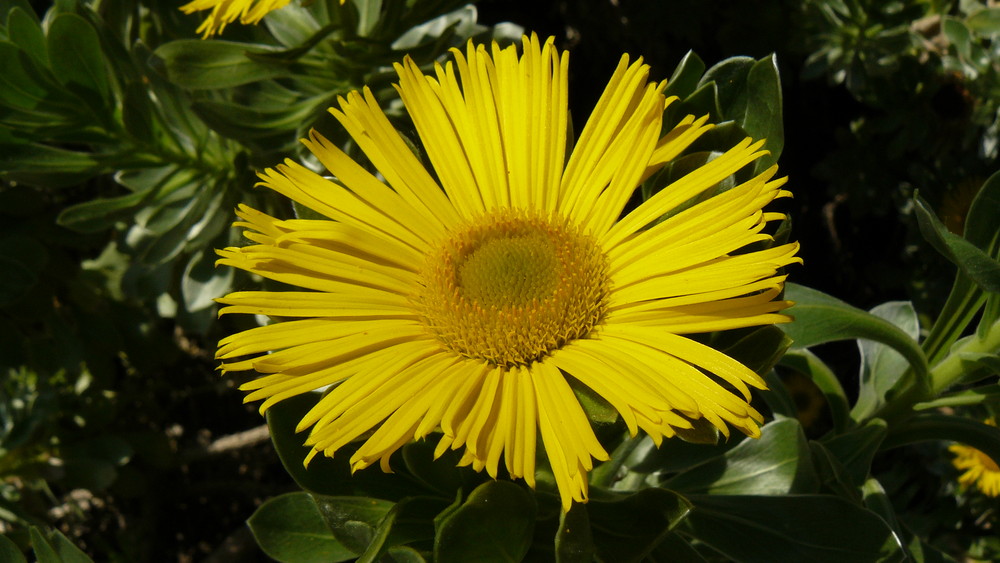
[{"x": 512, "y": 286}]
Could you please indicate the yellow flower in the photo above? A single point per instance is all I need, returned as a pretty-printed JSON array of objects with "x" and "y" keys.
[
  {"x": 225, "y": 12},
  {"x": 980, "y": 470},
  {"x": 470, "y": 299}
]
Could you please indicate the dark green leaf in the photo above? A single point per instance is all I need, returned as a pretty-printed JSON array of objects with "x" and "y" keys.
[
  {"x": 814, "y": 528},
  {"x": 777, "y": 463},
  {"x": 675, "y": 549},
  {"x": 987, "y": 394},
  {"x": 805, "y": 362},
  {"x": 42, "y": 165},
  {"x": 197, "y": 64},
  {"x": 933, "y": 426},
  {"x": 856, "y": 449},
  {"x": 685, "y": 78},
  {"x": 574, "y": 543},
  {"x": 985, "y": 21},
  {"x": 820, "y": 318},
  {"x": 409, "y": 520},
  {"x": 137, "y": 113},
  {"x": 327, "y": 476},
  {"x": 777, "y": 396},
  {"x": 958, "y": 34},
  {"x": 878, "y": 502},
  {"x": 759, "y": 349},
  {"x": 290, "y": 528},
  {"x": 67, "y": 552},
  {"x": 26, "y": 33},
  {"x": 881, "y": 366},
  {"x": 9, "y": 551},
  {"x": 203, "y": 282},
  {"x": 628, "y": 527},
  {"x": 495, "y": 523},
  {"x": 353, "y": 519},
  {"x": 974, "y": 262},
  {"x": 750, "y": 95},
  {"x": 441, "y": 475},
  {"x": 77, "y": 60},
  {"x": 99, "y": 214},
  {"x": 982, "y": 229},
  {"x": 44, "y": 552},
  {"x": 17, "y": 280}
]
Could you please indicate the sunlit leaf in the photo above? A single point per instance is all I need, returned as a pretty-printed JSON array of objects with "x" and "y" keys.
[
  {"x": 820, "y": 318},
  {"x": 778, "y": 463}
]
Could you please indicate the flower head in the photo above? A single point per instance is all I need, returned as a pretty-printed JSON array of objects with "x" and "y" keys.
[
  {"x": 470, "y": 298},
  {"x": 981, "y": 471},
  {"x": 225, "y": 12}
]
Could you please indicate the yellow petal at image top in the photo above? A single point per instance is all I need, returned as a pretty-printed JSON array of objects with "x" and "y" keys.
[
  {"x": 468, "y": 297},
  {"x": 225, "y": 12},
  {"x": 980, "y": 470}
]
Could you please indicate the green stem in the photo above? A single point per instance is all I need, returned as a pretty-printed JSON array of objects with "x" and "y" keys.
[
  {"x": 943, "y": 375},
  {"x": 952, "y": 367}
]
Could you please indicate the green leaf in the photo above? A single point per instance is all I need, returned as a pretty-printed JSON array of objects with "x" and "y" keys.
[
  {"x": 878, "y": 502},
  {"x": 750, "y": 95},
  {"x": 67, "y": 552},
  {"x": 857, "y": 448},
  {"x": 675, "y": 549},
  {"x": 77, "y": 59},
  {"x": 495, "y": 523},
  {"x": 441, "y": 475},
  {"x": 203, "y": 282},
  {"x": 99, "y": 214},
  {"x": 44, "y": 552},
  {"x": 807, "y": 363},
  {"x": 987, "y": 394},
  {"x": 975, "y": 263},
  {"x": 958, "y": 35},
  {"x": 685, "y": 78},
  {"x": 820, "y": 318},
  {"x": 881, "y": 366},
  {"x": 9, "y": 551},
  {"x": 814, "y": 528},
  {"x": 759, "y": 349},
  {"x": 574, "y": 543},
  {"x": 353, "y": 519},
  {"x": 197, "y": 64},
  {"x": 985, "y": 21},
  {"x": 629, "y": 527},
  {"x": 982, "y": 229},
  {"x": 327, "y": 476},
  {"x": 17, "y": 280},
  {"x": 777, "y": 463},
  {"x": 290, "y": 528},
  {"x": 933, "y": 426},
  {"x": 42, "y": 165},
  {"x": 26, "y": 33},
  {"x": 411, "y": 519},
  {"x": 778, "y": 397}
]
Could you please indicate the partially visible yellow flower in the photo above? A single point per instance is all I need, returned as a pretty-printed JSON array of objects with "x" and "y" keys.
[
  {"x": 469, "y": 299},
  {"x": 980, "y": 470},
  {"x": 225, "y": 12}
]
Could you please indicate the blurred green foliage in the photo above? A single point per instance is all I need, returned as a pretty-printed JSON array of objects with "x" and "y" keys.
[{"x": 125, "y": 143}]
